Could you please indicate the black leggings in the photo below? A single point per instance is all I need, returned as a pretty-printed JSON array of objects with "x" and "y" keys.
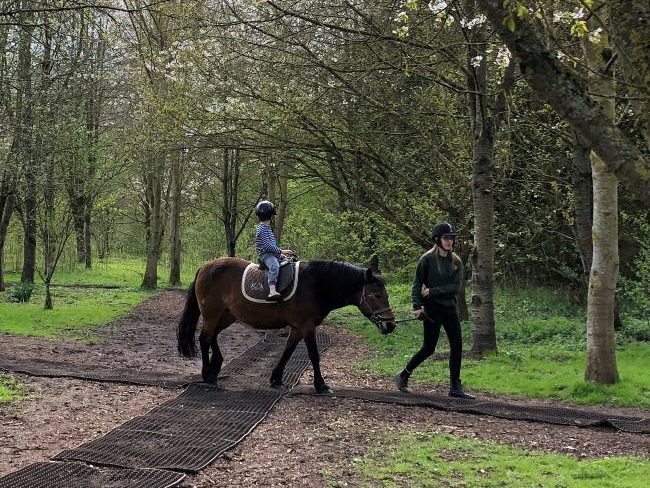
[{"x": 450, "y": 321}]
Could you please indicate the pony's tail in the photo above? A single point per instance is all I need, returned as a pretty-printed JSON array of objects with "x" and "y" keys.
[{"x": 187, "y": 324}]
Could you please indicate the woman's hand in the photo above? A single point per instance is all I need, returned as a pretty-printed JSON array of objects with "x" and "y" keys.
[
  {"x": 418, "y": 313},
  {"x": 425, "y": 293}
]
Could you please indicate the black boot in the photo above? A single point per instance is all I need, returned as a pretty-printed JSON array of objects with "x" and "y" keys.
[
  {"x": 456, "y": 391},
  {"x": 402, "y": 382}
]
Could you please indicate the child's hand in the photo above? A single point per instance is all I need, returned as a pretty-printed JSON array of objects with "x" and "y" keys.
[{"x": 287, "y": 252}]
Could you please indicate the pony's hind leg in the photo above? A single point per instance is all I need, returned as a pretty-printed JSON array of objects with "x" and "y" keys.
[
  {"x": 292, "y": 342},
  {"x": 212, "y": 365},
  {"x": 207, "y": 340},
  {"x": 312, "y": 349}
]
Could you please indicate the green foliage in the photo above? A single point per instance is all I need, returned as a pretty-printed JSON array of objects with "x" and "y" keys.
[
  {"x": 417, "y": 459},
  {"x": 541, "y": 339},
  {"x": 634, "y": 329},
  {"x": 20, "y": 292},
  {"x": 314, "y": 228},
  {"x": 636, "y": 289},
  {"x": 10, "y": 389},
  {"x": 75, "y": 310}
]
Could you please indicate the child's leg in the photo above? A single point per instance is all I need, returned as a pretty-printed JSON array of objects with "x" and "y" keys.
[{"x": 274, "y": 269}]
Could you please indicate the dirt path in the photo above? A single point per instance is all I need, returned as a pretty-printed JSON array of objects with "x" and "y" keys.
[{"x": 302, "y": 437}]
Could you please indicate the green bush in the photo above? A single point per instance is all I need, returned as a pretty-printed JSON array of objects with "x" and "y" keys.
[
  {"x": 636, "y": 290},
  {"x": 20, "y": 292},
  {"x": 635, "y": 329}
]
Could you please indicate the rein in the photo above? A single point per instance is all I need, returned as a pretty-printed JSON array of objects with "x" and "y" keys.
[{"x": 406, "y": 320}]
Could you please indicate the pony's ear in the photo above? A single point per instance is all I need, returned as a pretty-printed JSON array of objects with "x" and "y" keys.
[
  {"x": 374, "y": 264},
  {"x": 369, "y": 275}
]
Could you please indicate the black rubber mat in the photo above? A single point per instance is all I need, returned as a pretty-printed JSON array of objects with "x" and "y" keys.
[
  {"x": 185, "y": 433},
  {"x": 79, "y": 475},
  {"x": 252, "y": 369},
  {"x": 551, "y": 415},
  {"x": 268, "y": 350},
  {"x": 54, "y": 369},
  {"x": 190, "y": 431}
]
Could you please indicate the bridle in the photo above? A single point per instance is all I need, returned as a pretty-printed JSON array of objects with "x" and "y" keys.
[{"x": 375, "y": 316}]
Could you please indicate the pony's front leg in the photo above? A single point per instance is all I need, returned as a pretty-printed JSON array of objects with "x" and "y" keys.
[
  {"x": 312, "y": 348},
  {"x": 292, "y": 342}
]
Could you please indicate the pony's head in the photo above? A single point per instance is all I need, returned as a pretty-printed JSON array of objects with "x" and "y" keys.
[{"x": 374, "y": 302}]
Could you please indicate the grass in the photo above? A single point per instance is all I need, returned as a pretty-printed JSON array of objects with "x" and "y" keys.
[
  {"x": 75, "y": 309},
  {"x": 118, "y": 271},
  {"x": 427, "y": 460},
  {"x": 541, "y": 340},
  {"x": 10, "y": 390}
]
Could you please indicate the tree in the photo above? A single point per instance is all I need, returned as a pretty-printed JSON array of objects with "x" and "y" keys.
[
  {"x": 601, "y": 300},
  {"x": 563, "y": 89},
  {"x": 24, "y": 142},
  {"x": 613, "y": 156}
]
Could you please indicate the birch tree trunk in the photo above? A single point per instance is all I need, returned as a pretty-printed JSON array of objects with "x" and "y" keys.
[
  {"x": 482, "y": 131},
  {"x": 601, "y": 298}
]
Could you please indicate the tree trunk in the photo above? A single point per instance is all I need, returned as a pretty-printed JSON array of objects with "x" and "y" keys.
[
  {"x": 176, "y": 175},
  {"x": 150, "y": 280},
  {"x": 601, "y": 342},
  {"x": 463, "y": 252},
  {"x": 583, "y": 195},
  {"x": 88, "y": 261},
  {"x": 78, "y": 219},
  {"x": 482, "y": 128},
  {"x": 7, "y": 202},
  {"x": 24, "y": 125},
  {"x": 282, "y": 201},
  {"x": 601, "y": 299},
  {"x": 483, "y": 326},
  {"x": 49, "y": 235},
  {"x": 230, "y": 183}
]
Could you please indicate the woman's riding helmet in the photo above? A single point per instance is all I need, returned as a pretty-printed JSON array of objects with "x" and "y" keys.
[{"x": 443, "y": 229}]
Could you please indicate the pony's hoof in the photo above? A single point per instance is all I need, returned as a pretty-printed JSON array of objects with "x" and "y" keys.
[
  {"x": 277, "y": 385},
  {"x": 323, "y": 390}
]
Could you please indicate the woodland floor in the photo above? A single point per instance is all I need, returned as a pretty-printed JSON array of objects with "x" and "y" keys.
[{"x": 302, "y": 438}]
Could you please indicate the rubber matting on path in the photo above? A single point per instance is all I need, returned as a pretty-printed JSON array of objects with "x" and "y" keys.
[
  {"x": 55, "y": 369},
  {"x": 252, "y": 369},
  {"x": 185, "y": 433},
  {"x": 79, "y": 475},
  {"x": 534, "y": 413},
  {"x": 268, "y": 350}
]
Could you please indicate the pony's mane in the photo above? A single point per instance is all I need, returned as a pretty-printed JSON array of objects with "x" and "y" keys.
[{"x": 335, "y": 272}]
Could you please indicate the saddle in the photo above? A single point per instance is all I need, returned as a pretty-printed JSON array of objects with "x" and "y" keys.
[{"x": 255, "y": 285}]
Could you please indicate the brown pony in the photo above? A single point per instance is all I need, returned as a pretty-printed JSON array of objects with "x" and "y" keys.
[{"x": 323, "y": 286}]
